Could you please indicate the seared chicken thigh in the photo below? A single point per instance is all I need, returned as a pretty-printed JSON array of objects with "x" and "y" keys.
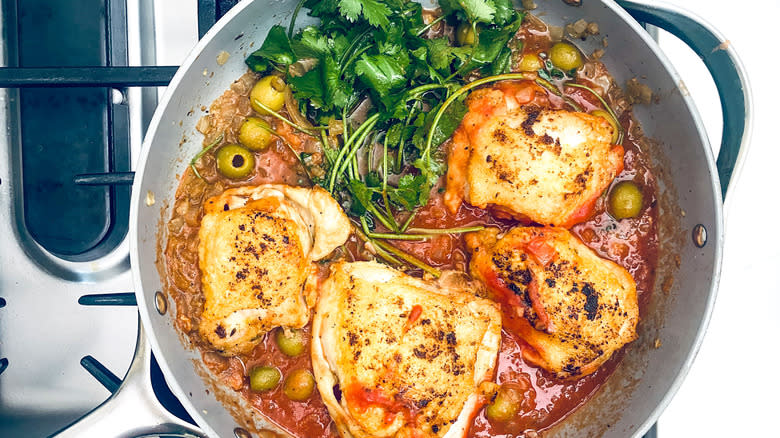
[
  {"x": 572, "y": 307},
  {"x": 546, "y": 165},
  {"x": 256, "y": 250},
  {"x": 408, "y": 356}
]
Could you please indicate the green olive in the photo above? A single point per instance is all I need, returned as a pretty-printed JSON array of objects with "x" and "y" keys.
[
  {"x": 299, "y": 385},
  {"x": 464, "y": 34},
  {"x": 530, "y": 62},
  {"x": 255, "y": 134},
  {"x": 505, "y": 404},
  {"x": 625, "y": 200},
  {"x": 270, "y": 92},
  {"x": 264, "y": 378},
  {"x": 611, "y": 120},
  {"x": 565, "y": 56},
  {"x": 234, "y": 161},
  {"x": 290, "y": 341}
]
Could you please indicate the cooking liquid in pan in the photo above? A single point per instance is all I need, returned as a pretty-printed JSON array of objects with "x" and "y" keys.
[{"x": 631, "y": 243}]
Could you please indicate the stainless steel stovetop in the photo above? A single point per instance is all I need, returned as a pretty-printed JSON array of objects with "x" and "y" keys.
[{"x": 45, "y": 333}]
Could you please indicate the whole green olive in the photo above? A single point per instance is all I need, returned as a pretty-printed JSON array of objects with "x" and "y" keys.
[
  {"x": 255, "y": 134},
  {"x": 464, "y": 34},
  {"x": 264, "y": 378},
  {"x": 234, "y": 161},
  {"x": 299, "y": 384},
  {"x": 611, "y": 120},
  {"x": 625, "y": 200},
  {"x": 270, "y": 92},
  {"x": 530, "y": 62},
  {"x": 291, "y": 342},
  {"x": 505, "y": 404},
  {"x": 565, "y": 56}
]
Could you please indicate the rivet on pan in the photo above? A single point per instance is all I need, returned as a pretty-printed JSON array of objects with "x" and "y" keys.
[
  {"x": 160, "y": 302},
  {"x": 240, "y": 432},
  {"x": 699, "y": 236}
]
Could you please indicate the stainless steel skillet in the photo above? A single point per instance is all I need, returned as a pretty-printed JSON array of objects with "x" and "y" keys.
[{"x": 691, "y": 224}]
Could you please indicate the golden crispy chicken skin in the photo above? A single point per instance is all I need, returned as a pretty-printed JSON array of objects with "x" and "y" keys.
[
  {"x": 255, "y": 252},
  {"x": 546, "y": 165},
  {"x": 408, "y": 356},
  {"x": 572, "y": 307}
]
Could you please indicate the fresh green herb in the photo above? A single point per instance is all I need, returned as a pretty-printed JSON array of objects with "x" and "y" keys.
[
  {"x": 276, "y": 49},
  {"x": 203, "y": 151},
  {"x": 368, "y": 66},
  {"x": 604, "y": 103}
]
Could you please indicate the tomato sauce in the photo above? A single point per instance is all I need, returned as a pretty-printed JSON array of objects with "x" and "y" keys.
[{"x": 631, "y": 243}]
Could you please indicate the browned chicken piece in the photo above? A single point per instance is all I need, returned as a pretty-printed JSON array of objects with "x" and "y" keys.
[
  {"x": 546, "y": 165},
  {"x": 411, "y": 358},
  {"x": 572, "y": 307},
  {"x": 256, "y": 249}
]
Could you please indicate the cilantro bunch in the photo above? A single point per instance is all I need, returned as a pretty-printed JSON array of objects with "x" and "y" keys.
[{"x": 376, "y": 51}]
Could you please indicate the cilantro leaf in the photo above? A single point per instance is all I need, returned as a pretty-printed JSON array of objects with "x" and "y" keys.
[
  {"x": 309, "y": 86},
  {"x": 382, "y": 73},
  {"x": 374, "y": 11},
  {"x": 502, "y": 62},
  {"x": 492, "y": 41},
  {"x": 448, "y": 123},
  {"x": 350, "y": 9},
  {"x": 275, "y": 48},
  {"x": 362, "y": 194},
  {"x": 310, "y": 43},
  {"x": 337, "y": 92},
  {"x": 476, "y": 10},
  {"x": 441, "y": 53},
  {"x": 431, "y": 170},
  {"x": 409, "y": 191},
  {"x": 505, "y": 12}
]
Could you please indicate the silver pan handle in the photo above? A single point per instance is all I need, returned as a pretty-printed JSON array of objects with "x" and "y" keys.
[
  {"x": 726, "y": 70},
  {"x": 132, "y": 410}
]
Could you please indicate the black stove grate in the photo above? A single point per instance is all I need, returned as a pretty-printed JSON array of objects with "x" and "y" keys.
[{"x": 99, "y": 81}]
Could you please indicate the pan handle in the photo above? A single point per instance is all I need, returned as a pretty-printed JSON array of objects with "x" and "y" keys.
[
  {"x": 726, "y": 70},
  {"x": 132, "y": 410}
]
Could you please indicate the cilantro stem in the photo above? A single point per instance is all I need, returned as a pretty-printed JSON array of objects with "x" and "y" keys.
[
  {"x": 380, "y": 217},
  {"x": 354, "y": 57},
  {"x": 290, "y": 147},
  {"x": 293, "y": 18},
  {"x": 408, "y": 258},
  {"x": 458, "y": 230},
  {"x": 430, "y": 25},
  {"x": 415, "y": 92},
  {"x": 394, "y": 236},
  {"x": 408, "y": 221},
  {"x": 384, "y": 164},
  {"x": 471, "y": 85},
  {"x": 288, "y": 121},
  {"x": 326, "y": 146},
  {"x": 604, "y": 103},
  {"x": 384, "y": 184},
  {"x": 349, "y": 50},
  {"x": 378, "y": 251},
  {"x": 552, "y": 88},
  {"x": 399, "y": 157},
  {"x": 203, "y": 151},
  {"x": 351, "y": 145}
]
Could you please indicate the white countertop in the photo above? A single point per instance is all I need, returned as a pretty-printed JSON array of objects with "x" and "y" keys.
[
  {"x": 717, "y": 399},
  {"x": 731, "y": 389}
]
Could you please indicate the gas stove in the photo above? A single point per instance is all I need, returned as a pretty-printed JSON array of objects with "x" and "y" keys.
[
  {"x": 72, "y": 137},
  {"x": 68, "y": 322}
]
